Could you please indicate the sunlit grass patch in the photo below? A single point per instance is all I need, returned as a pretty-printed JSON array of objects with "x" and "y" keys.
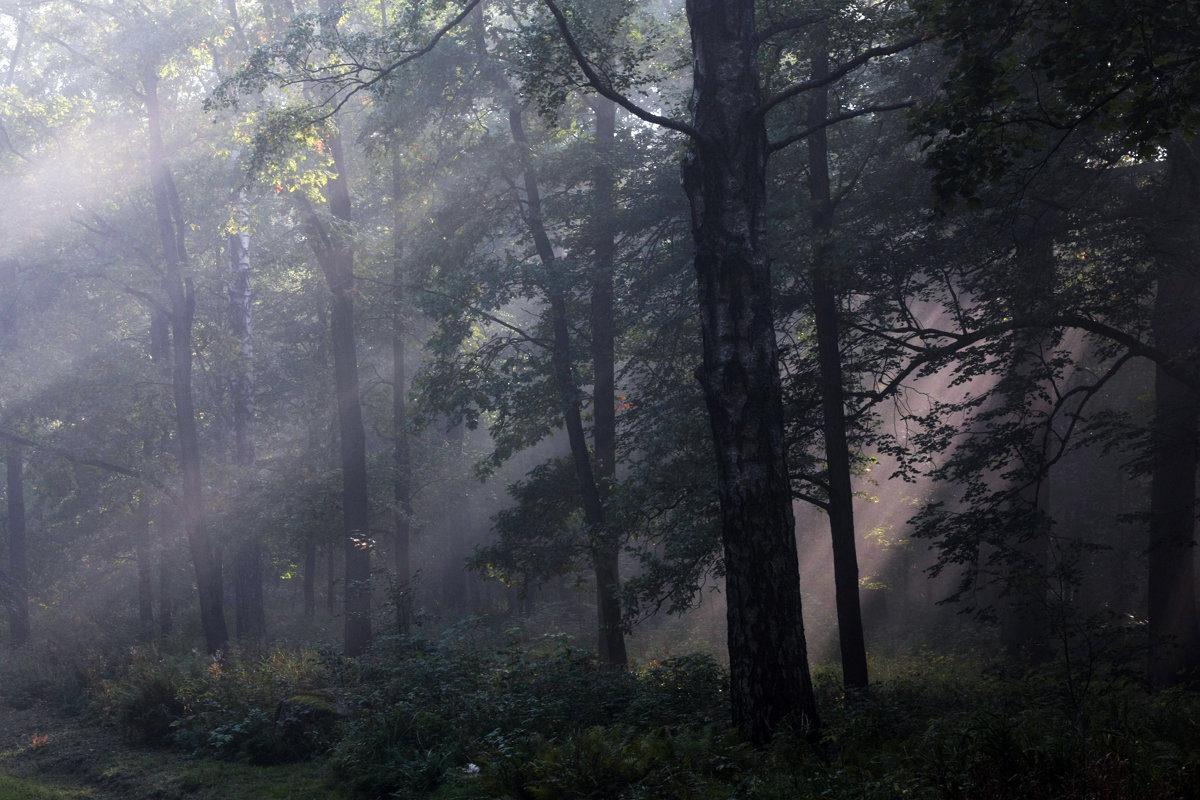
[{"x": 12, "y": 788}]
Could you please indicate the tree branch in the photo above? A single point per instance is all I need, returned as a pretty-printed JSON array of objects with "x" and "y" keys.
[
  {"x": 83, "y": 461},
  {"x": 834, "y": 120},
  {"x": 604, "y": 89},
  {"x": 837, "y": 74}
]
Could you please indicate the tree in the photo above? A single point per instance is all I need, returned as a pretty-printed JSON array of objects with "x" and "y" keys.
[{"x": 1027, "y": 83}]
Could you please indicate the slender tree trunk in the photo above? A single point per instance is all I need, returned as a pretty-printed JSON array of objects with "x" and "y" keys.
[
  {"x": 605, "y": 542},
  {"x": 402, "y": 479},
  {"x": 160, "y": 354},
  {"x": 145, "y": 572},
  {"x": 1174, "y": 626},
  {"x": 724, "y": 178},
  {"x": 249, "y": 614},
  {"x": 610, "y": 637},
  {"x": 833, "y": 404},
  {"x": 310, "y": 579},
  {"x": 16, "y": 589},
  {"x": 336, "y": 257},
  {"x": 1024, "y": 608},
  {"x": 182, "y": 301}
]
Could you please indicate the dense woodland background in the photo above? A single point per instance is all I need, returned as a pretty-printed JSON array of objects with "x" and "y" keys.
[{"x": 351, "y": 350}]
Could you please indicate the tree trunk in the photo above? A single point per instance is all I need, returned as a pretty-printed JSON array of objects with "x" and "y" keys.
[
  {"x": 1174, "y": 628},
  {"x": 611, "y": 643},
  {"x": 145, "y": 573},
  {"x": 16, "y": 592},
  {"x": 249, "y": 615},
  {"x": 833, "y": 405},
  {"x": 182, "y": 302},
  {"x": 160, "y": 354},
  {"x": 310, "y": 578},
  {"x": 606, "y": 547},
  {"x": 402, "y": 479},
  {"x": 1024, "y": 608},
  {"x": 724, "y": 177}
]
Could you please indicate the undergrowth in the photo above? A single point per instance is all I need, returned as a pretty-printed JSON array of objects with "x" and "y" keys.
[{"x": 449, "y": 719}]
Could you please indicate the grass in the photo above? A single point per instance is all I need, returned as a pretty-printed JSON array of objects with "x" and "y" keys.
[{"x": 14, "y": 788}]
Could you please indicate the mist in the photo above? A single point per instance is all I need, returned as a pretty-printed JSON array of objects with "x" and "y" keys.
[{"x": 515, "y": 338}]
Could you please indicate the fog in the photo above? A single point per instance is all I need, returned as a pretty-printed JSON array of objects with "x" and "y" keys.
[{"x": 526, "y": 268}]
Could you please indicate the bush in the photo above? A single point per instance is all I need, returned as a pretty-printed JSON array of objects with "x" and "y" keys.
[{"x": 144, "y": 698}]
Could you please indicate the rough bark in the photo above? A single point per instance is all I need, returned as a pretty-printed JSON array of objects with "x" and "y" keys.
[
  {"x": 724, "y": 178},
  {"x": 182, "y": 303},
  {"x": 833, "y": 404}
]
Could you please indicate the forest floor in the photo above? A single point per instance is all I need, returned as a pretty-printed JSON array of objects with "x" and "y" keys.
[{"x": 45, "y": 755}]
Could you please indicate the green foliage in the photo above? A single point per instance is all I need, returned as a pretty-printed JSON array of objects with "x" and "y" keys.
[
  {"x": 261, "y": 709},
  {"x": 144, "y": 698}
]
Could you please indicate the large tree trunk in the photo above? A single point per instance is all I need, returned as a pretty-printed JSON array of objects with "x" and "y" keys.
[
  {"x": 182, "y": 304},
  {"x": 833, "y": 404},
  {"x": 249, "y": 614},
  {"x": 724, "y": 177}
]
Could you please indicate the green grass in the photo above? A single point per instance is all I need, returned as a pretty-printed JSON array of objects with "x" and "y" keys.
[
  {"x": 12, "y": 788},
  {"x": 210, "y": 780}
]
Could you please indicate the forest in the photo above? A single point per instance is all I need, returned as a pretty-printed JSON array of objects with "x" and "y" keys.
[{"x": 665, "y": 399}]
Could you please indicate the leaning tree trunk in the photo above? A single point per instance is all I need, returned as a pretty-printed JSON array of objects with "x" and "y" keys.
[
  {"x": 724, "y": 178},
  {"x": 833, "y": 403},
  {"x": 182, "y": 305}
]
